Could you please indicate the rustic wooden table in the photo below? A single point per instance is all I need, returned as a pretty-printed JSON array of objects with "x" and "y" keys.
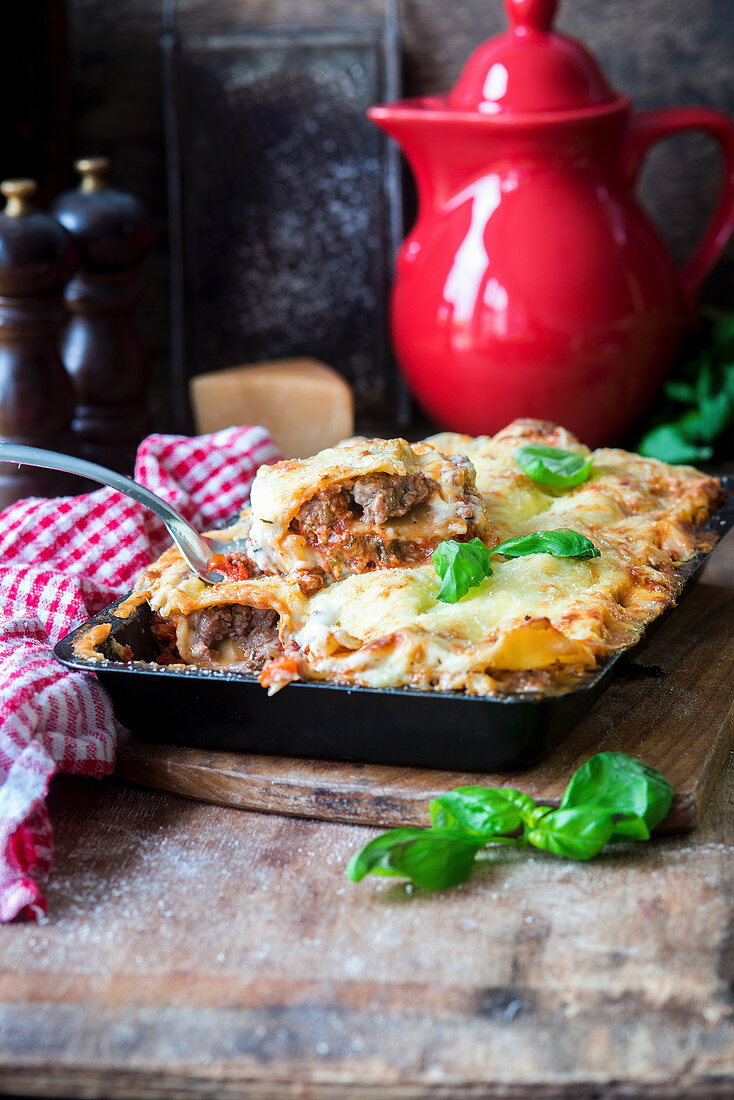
[{"x": 199, "y": 951}]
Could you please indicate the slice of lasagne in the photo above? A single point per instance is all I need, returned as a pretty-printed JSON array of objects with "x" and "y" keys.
[
  {"x": 371, "y": 504},
  {"x": 240, "y": 623}
]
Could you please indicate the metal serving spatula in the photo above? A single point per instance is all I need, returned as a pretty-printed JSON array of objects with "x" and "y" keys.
[{"x": 195, "y": 549}]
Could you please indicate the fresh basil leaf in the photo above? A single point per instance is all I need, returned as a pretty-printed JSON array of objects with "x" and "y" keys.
[
  {"x": 699, "y": 401},
  {"x": 630, "y": 827},
  {"x": 534, "y": 816},
  {"x": 553, "y": 466},
  {"x": 461, "y": 566},
  {"x": 708, "y": 420},
  {"x": 690, "y": 425},
  {"x": 481, "y": 811},
  {"x": 722, "y": 326},
  {"x": 561, "y": 543},
  {"x": 704, "y": 381},
  {"x": 682, "y": 392},
  {"x": 668, "y": 443},
  {"x": 577, "y": 833},
  {"x": 716, "y": 414},
  {"x": 432, "y": 858},
  {"x": 620, "y": 784},
  {"x": 728, "y": 380},
  {"x": 525, "y": 804}
]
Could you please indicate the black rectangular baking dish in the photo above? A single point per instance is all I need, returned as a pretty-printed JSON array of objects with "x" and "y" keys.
[{"x": 229, "y": 710}]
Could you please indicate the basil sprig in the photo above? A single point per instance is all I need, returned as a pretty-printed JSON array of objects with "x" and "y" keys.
[
  {"x": 464, "y": 565},
  {"x": 612, "y": 796},
  {"x": 697, "y": 410},
  {"x": 553, "y": 466}
]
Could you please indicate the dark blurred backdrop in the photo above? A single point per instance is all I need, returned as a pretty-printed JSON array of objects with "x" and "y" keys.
[{"x": 661, "y": 52}]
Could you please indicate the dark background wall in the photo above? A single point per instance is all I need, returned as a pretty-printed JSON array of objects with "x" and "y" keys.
[{"x": 661, "y": 52}]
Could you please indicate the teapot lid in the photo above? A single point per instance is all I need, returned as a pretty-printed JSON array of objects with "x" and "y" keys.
[{"x": 530, "y": 69}]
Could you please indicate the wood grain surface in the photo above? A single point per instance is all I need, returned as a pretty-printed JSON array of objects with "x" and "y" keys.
[
  {"x": 198, "y": 951},
  {"x": 674, "y": 709}
]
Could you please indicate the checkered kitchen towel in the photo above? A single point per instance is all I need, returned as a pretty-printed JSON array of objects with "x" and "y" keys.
[{"x": 60, "y": 562}]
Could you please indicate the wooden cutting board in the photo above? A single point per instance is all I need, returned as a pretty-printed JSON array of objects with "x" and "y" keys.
[{"x": 673, "y": 709}]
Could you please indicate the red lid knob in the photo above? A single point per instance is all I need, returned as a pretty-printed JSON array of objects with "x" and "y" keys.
[
  {"x": 530, "y": 69},
  {"x": 536, "y": 15}
]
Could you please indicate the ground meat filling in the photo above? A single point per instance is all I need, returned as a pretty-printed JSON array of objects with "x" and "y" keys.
[
  {"x": 328, "y": 521},
  {"x": 386, "y": 496},
  {"x": 164, "y": 633},
  {"x": 317, "y": 518},
  {"x": 255, "y": 629},
  {"x": 374, "y": 499}
]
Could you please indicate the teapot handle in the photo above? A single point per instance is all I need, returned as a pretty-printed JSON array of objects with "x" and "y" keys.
[{"x": 649, "y": 127}]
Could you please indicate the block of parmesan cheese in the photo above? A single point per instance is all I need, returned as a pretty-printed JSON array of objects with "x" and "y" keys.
[{"x": 304, "y": 404}]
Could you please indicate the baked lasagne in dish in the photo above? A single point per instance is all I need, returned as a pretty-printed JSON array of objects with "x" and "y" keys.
[{"x": 369, "y": 564}]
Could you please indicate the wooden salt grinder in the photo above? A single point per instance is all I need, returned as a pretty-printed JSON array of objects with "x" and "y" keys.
[
  {"x": 37, "y": 257},
  {"x": 101, "y": 348}
]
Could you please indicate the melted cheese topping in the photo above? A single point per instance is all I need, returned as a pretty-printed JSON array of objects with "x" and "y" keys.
[
  {"x": 530, "y": 614},
  {"x": 538, "y": 623}
]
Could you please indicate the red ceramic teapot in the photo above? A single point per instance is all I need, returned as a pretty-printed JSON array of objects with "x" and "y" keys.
[{"x": 533, "y": 284}]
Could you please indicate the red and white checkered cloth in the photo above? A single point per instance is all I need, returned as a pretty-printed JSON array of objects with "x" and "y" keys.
[{"x": 60, "y": 562}]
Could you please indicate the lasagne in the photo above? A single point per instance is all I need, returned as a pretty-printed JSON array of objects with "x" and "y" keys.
[{"x": 337, "y": 581}]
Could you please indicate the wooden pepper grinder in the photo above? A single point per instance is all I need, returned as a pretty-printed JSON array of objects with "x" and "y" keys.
[
  {"x": 37, "y": 256},
  {"x": 100, "y": 348}
]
